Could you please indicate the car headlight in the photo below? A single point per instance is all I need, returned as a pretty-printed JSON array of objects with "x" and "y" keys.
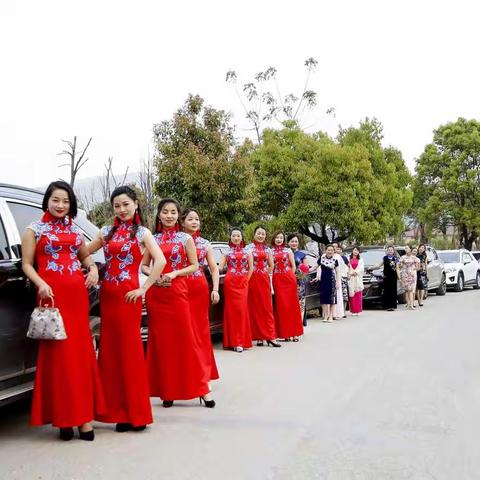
[{"x": 450, "y": 269}]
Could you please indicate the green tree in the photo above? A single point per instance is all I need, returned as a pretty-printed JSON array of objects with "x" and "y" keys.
[
  {"x": 449, "y": 171},
  {"x": 347, "y": 188},
  {"x": 198, "y": 163}
]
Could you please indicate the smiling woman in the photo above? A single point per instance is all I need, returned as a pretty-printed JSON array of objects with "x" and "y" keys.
[
  {"x": 67, "y": 389},
  {"x": 174, "y": 357},
  {"x": 121, "y": 358}
]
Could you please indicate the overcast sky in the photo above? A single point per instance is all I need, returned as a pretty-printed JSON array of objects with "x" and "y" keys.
[{"x": 111, "y": 69}]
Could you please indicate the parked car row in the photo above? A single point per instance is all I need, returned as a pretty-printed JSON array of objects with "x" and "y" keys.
[{"x": 20, "y": 206}]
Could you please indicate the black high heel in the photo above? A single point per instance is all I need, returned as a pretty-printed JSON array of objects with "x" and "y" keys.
[
  {"x": 259, "y": 343},
  {"x": 87, "y": 436},
  {"x": 208, "y": 403},
  {"x": 139, "y": 428},
  {"x": 167, "y": 403},
  {"x": 273, "y": 344},
  {"x": 123, "y": 427},
  {"x": 66, "y": 434}
]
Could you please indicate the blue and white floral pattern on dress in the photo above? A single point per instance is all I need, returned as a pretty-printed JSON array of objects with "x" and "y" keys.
[
  {"x": 202, "y": 246},
  {"x": 117, "y": 263},
  {"x": 53, "y": 230},
  {"x": 237, "y": 260}
]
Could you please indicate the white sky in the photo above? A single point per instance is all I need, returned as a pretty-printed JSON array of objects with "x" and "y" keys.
[{"x": 111, "y": 69}]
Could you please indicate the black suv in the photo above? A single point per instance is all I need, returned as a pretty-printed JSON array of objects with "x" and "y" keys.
[
  {"x": 373, "y": 279},
  {"x": 18, "y": 208}
]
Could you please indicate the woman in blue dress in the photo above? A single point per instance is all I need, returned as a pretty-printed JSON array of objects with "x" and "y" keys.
[
  {"x": 329, "y": 280},
  {"x": 301, "y": 271}
]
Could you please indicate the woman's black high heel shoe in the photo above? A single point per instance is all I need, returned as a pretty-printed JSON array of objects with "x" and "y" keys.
[
  {"x": 88, "y": 436},
  {"x": 259, "y": 343},
  {"x": 207, "y": 403},
  {"x": 123, "y": 427},
  {"x": 167, "y": 403},
  {"x": 273, "y": 344},
  {"x": 66, "y": 434},
  {"x": 139, "y": 428}
]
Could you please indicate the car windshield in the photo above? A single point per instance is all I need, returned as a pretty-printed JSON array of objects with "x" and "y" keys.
[
  {"x": 449, "y": 257},
  {"x": 372, "y": 257}
]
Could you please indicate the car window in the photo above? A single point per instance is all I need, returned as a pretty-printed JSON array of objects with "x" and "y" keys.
[
  {"x": 476, "y": 255},
  {"x": 4, "y": 250},
  {"x": 219, "y": 251},
  {"x": 24, "y": 214},
  {"x": 449, "y": 257},
  {"x": 311, "y": 260}
]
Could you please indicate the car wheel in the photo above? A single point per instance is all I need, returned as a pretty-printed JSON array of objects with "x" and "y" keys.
[
  {"x": 425, "y": 292},
  {"x": 442, "y": 288},
  {"x": 476, "y": 286},
  {"x": 402, "y": 299},
  {"x": 460, "y": 283}
]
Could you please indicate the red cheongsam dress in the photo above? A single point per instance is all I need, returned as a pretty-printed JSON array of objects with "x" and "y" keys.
[
  {"x": 174, "y": 357},
  {"x": 288, "y": 317},
  {"x": 123, "y": 369},
  {"x": 260, "y": 306},
  {"x": 199, "y": 299},
  {"x": 236, "y": 324},
  {"x": 67, "y": 388}
]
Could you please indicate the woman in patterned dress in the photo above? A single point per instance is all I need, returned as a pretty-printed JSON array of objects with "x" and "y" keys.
[
  {"x": 121, "y": 357},
  {"x": 174, "y": 357},
  {"x": 422, "y": 279},
  {"x": 301, "y": 271},
  {"x": 236, "y": 324},
  {"x": 67, "y": 389},
  {"x": 260, "y": 306},
  {"x": 199, "y": 294},
  {"x": 288, "y": 318},
  {"x": 409, "y": 265},
  {"x": 328, "y": 278}
]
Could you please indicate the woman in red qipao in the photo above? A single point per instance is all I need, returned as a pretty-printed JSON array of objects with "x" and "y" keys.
[
  {"x": 67, "y": 390},
  {"x": 199, "y": 294},
  {"x": 174, "y": 357},
  {"x": 236, "y": 324},
  {"x": 121, "y": 359},
  {"x": 288, "y": 317},
  {"x": 260, "y": 307}
]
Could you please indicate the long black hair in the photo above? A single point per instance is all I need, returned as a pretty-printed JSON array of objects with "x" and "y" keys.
[
  {"x": 137, "y": 218},
  {"x": 161, "y": 204},
  {"x": 61, "y": 185}
]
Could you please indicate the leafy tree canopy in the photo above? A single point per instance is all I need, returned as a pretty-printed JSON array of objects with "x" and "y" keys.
[
  {"x": 198, "y": 164},
  {"x": 448, "y": 179},
  {"x": 351, "y": 185}
]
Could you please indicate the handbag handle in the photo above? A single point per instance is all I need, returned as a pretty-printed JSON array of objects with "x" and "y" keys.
[{"x": 41, "y": 300}]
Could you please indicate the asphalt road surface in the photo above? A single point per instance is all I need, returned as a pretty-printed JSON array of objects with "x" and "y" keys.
[{"x": 377, "y": 397}]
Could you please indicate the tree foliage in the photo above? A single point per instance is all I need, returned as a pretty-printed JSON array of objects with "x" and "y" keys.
[
  {"x": 351, "y": 186},
  {"x": 197, "y": 162},
  {"x": 448, "y": 179}
]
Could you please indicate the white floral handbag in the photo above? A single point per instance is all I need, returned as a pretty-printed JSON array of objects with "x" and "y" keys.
[{"x": 46, "y": 323}]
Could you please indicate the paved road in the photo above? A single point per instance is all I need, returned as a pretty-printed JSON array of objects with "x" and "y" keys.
[{"x": 383, "y": 396}]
